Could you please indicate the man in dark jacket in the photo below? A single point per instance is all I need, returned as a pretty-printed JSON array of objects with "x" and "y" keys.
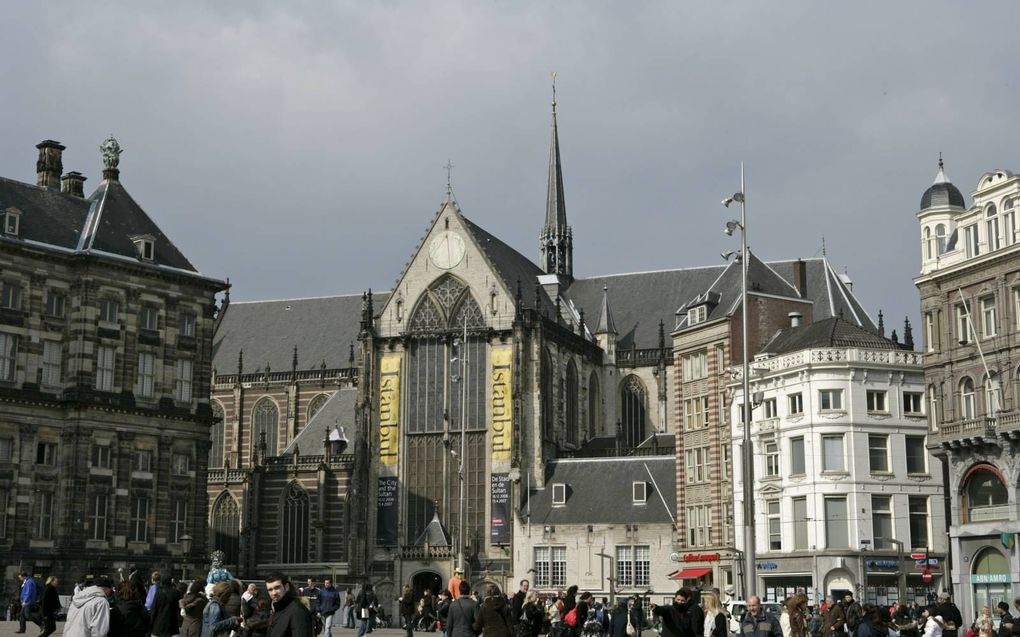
[
  {"x": 327, "y": 603},
  {"x": 290, "y": 618},
  {"x": 517, "y": 603},
  {"x": 166, "y": 610},
  {"x": 674, "y": 616},
  {"x": 365, "y": 605},
  {"x": 1006, "y": 621},
  {"x": 950, "y": 614},
  {"x": 757, "y": 623},
  {"x": 461, "y": 613}
]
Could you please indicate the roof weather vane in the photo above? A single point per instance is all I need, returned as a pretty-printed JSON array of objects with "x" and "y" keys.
[
  {"x": 449, "y": 178},
  {"x": 553, "y": 74},
  {"x": 940, "y": 160}
]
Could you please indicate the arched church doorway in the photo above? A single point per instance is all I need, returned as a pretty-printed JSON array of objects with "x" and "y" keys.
[{"x": 430, "y": 580}]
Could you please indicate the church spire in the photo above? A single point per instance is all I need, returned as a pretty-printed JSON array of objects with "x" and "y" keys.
[{"x": 556, "y": 240}]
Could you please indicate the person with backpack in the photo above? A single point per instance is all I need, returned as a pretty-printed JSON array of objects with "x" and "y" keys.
[
  {"x": 364, "y": 606},
  {"x": 461, "y": 613},
  {"x": 493, "y": 618}
]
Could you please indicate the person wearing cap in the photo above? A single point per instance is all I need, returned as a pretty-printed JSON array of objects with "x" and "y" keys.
[
  {"x": 88, "y": 614},
  {"x": 454, "y": 585}
]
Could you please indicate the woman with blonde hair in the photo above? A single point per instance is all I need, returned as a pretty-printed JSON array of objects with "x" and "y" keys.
[
  {"x": 715, "y": 617},
  {"x": 215, "y": 618}
]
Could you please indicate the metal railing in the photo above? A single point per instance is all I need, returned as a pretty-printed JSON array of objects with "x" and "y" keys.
[{"x": 643, "y": 357}]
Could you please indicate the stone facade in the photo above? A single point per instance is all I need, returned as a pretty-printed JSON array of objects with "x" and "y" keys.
[
  {"x": 970, "y": 303},
  {"x": 105, "y": 379},
  {"x": 845, "y": 489}
]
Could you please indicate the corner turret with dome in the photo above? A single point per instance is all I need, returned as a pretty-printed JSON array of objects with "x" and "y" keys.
[{"x": 942, "y": 192}]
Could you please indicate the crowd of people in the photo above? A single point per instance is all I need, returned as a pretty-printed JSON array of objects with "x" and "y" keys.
[{"x": 135, "y": 607}]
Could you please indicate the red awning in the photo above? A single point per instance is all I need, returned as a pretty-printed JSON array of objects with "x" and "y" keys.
[{"x": 690, "y": 573}]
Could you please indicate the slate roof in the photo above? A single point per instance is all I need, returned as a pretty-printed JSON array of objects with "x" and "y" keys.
[
  {"x": 434, "y": 534},
  {"x": 827, "y": 289},
  {"x": 338, "y": 411},
  {"x": 115, "y": 218},
  {"x": 47, "y": 216},
  {"x": 942, "y": 192},
  {"x": 511, "y": 266},
  {"x": 599, "y": 491},
  {"x": 640, "y": 300},
  {"x": 322, "y": 329},
  {"x": 832, "y": 332},
  {"x": 104, "y": 224}
]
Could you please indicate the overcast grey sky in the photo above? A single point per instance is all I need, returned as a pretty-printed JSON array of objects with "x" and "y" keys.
[{"x": 298, "y": 147}]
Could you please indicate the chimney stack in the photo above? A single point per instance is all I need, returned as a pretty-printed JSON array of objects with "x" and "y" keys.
[
  {"x": 800, "y": 277},
  {"x": 73, "y": 183},
  {"x": 49, "y": 165},
  {"x": 795, "y": 317}
]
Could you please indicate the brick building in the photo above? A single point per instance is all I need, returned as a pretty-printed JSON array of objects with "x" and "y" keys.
[
  {"x": 706, "y": 345},
  {"x": 105, "y": 351}
]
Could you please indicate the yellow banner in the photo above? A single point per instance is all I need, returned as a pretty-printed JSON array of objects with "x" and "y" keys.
[
  {"x": 501, "y": 429},
  {"x": 389, "y": 408}
]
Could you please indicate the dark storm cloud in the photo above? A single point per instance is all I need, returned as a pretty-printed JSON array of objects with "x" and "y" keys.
[{"x": 298, "y": 147}]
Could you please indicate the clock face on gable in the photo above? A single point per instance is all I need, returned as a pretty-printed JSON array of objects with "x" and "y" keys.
[{"x": 446, "y": 249}]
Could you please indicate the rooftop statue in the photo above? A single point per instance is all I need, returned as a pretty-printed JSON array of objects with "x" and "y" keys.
[{"x": 111, "y": 151}]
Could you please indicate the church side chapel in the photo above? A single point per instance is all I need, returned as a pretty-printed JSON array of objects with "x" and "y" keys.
[{"x": 394, "y": 437}]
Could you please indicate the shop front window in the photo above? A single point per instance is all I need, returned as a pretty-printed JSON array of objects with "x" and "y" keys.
[{"x": 990, "y": 578}]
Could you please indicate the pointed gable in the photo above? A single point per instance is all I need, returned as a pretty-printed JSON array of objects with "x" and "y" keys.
[{"x": 115, "y": 219}]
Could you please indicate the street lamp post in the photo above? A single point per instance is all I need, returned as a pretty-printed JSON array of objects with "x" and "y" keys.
[
  {"x": 901, "y": 584},
  {"x": 461, "y": 518},
  {"x": 747, "y": 458}
]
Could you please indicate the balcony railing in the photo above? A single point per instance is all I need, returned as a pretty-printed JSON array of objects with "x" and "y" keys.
[
  {"x": 835, "y": 355},
  {"x": 420, "y": 552},
  {"x": 643, "y": 357},
  {"x": 989, "y": 513},
  {"x": 345, "y": 461},
  {"x": 982, "y": 430},
  {"x": 303, "y": 375}
]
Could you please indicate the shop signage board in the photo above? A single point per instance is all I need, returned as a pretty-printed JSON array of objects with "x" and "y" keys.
[{"x": 991, "y": 578}]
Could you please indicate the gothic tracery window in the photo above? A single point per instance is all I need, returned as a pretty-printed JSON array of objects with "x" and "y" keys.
[
  {"x": 444, "y": 306},
  {"x": 633, "y": 407},
  {"x": 217, "y": 436},
  {"x": 295, "y": 525},
  {"x": 573, "y": 424},
  {"x": 315, "y": 404},
  {"x": 266, "y": 417},
  {"x": 226, "y": 527},
  {"x": 545, "y": 373},
  {"x": 594, "y": 405}
]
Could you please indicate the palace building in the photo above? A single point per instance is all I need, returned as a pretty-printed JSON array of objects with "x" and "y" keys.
[{"x": 105, "y": 357}]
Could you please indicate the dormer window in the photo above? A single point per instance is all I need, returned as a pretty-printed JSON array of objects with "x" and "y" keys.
[
  {"x": 12, "y": 222},
  {"x": 559, "y": 494},
  {"x": 697, "y": 315},
  {"x": 640, "y": 492},
  {"x": 144, "y": 246}
]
